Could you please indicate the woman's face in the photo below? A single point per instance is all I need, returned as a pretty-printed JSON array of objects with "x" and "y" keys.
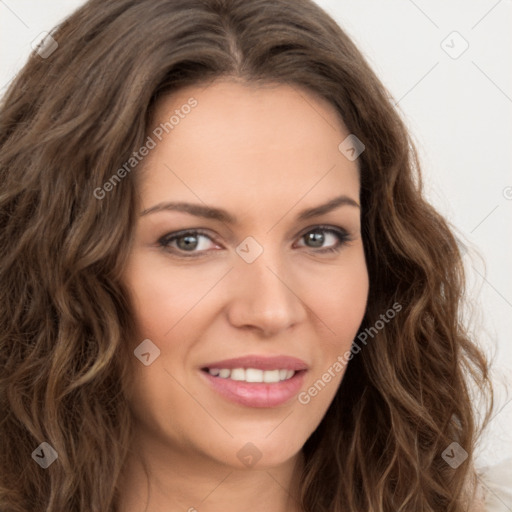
[{"x": 255, "y": 266}]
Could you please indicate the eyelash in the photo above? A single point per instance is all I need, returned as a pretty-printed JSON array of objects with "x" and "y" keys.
[{"x": 164, "y": 242}]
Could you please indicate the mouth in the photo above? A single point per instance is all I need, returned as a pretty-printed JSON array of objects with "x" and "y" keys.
[
  {"x": 252, "y": 374},
  {"x": 256, "y": 381}
]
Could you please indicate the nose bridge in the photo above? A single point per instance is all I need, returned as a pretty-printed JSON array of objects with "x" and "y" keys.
[{"x": 265, "y": 296}]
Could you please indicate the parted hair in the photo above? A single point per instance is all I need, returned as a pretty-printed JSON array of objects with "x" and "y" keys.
[{"x": 70, "y": 119}]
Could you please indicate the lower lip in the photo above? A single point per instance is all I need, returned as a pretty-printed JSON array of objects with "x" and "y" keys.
[{"x": 257, "y": 394}]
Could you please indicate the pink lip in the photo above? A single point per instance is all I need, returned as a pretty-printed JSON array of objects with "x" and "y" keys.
[
  {"x": 256, "y": 394},
  {"x": 261, "y": 363}
]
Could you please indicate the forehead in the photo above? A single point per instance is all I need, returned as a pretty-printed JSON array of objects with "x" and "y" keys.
[{"x": 274, "y": 142}]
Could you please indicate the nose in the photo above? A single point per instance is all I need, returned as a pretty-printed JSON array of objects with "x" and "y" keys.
[{"x": 265, "y": 297}]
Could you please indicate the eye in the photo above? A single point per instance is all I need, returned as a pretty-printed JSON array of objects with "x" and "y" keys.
[
  {"x": 335, "y": 238},
  {"x": 186, "y": 241},
  {"x": 194, "y": 243}
]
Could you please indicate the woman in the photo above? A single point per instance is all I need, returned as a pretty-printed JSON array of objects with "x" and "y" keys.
[{"x": 221, "y": 285}]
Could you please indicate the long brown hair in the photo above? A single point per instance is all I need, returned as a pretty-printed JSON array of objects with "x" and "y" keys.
[{"x": 69, "y": 121}]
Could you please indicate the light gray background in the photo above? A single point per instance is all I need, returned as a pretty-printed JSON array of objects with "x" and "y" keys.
[{"x": 459, "y": 113}]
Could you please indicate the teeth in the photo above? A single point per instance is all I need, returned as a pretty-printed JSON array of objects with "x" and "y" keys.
[
  {"x": 237, "y": 374},
  {"x": 270, "y": 376},
  {"x": 252, "y": 374}
]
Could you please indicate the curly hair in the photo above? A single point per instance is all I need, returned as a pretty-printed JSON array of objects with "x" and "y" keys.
[{"x": 71, "y": 118}]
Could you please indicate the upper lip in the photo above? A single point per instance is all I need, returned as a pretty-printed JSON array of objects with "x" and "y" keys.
[{"x": 261, "y": 363}]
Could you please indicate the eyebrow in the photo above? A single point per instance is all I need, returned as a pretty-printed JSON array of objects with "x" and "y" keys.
[{"x": 209, "y": 212}]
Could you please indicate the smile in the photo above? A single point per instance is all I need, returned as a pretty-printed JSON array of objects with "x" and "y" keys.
[
  {"x": 252, "y": 374},
  {"x": 237, "y": 387}
]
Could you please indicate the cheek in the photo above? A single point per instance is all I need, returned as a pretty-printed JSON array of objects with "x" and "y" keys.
[
  {"x": 165, "y": 298},
  {"x": 338, "y": 295},
  {"x": 339, "y": 303},
  {"x": 163, "y": 295}
]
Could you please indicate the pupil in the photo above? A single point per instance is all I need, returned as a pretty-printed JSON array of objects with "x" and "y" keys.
[
  {"x": 317, "y": 238},
  {"x": 189, "y": 241}
]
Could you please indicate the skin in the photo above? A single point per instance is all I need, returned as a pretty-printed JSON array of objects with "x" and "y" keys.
[{"x": 263, "y": 154}]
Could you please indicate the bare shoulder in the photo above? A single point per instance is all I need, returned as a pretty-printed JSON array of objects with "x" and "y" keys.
[
  {"x": 476, "y": 493},
  {"x": 478, "y": 502}
]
